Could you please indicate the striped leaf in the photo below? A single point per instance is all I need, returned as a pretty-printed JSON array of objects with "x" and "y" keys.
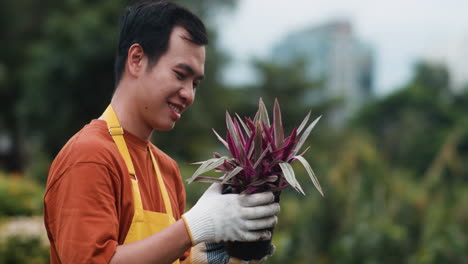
[
  {"x": 303, "y": 123},
  {"x": 290, "y": 177},
  {"x": 207, "y": 166},
  {"x": 220, "y": 138},
  {"x": 310, "y": 172},
  {"x": 263, "y": 113},
  {"x": 244, "y": 126},
  {"x": 305, "y": 136},
  {"x": 231, "y": 174}
]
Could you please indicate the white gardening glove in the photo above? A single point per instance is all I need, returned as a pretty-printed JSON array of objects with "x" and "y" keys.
[{"x": 231, "y": 217}]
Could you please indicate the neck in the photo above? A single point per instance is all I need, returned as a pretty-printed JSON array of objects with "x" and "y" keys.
[{"x": 128, "y": 115}]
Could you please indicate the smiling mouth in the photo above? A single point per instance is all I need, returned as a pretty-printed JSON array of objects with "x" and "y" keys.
[{"x": 176, "y": 108}]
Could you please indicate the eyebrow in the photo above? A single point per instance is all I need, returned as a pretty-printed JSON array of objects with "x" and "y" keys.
[{"x": 190, "y": 70}]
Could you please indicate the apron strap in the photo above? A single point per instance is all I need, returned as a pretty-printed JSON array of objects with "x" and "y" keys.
[
  {"x": 116, "y": 131},
  {"x": 167, "y": 202}
]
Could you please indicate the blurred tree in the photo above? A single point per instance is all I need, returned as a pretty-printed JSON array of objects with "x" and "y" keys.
[
  {"x": 16, "y": 35},
  {"x": 412, "y": 123},
  {"x": 60, "y": 73},
  {"x": 394, "y": 182},
  {"x": 69, "y": 75}
]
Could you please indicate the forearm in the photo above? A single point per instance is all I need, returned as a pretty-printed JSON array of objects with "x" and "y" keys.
[{"x": 163, "y": 247}]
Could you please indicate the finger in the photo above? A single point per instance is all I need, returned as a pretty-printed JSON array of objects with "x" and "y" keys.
[
  {"x": 272, "y": 250},
  {"x": 215, "y": 188},
  {"x": 255, "y": 236},
  {"x": 259, "y": 224},
  {"x": 249, "y": 200},
  {"x": 260, "y": 211}
]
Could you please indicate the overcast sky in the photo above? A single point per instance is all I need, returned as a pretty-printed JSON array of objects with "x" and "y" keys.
[{"x": 400, "y": 31}]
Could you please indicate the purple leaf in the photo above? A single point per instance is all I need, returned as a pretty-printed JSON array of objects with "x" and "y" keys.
[
  {"x": 289, "y": 145},
  {"x": 258, "y": 140},
  {"x": 250, "y": 124},
  {"x": 268, "y": 136},
  {"x": 251, "y": 189},
  {"x": 232, "y": 147},
  {"x": 277, "y": 125},
  {"x": 235, "y": 136}
]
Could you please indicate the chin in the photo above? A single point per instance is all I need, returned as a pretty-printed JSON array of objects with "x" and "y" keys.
[{"x": 166, "y": 127}]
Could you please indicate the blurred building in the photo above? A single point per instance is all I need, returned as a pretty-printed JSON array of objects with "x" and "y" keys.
[
  {"x": 453, "y": 53},
  {"x": 337, "y": 57}
]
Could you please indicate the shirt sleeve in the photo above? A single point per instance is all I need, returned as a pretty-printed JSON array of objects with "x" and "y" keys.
[{"x": 81, "y": 214}]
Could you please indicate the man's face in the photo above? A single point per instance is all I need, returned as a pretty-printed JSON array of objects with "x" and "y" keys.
[{"x": 168, "y": 88}]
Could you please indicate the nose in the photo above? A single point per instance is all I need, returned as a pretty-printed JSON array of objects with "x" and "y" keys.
[{"x": 187, "y": 93}]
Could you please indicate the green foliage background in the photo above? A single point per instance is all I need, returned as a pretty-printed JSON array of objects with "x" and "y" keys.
[{"x": 395, "y": 177}]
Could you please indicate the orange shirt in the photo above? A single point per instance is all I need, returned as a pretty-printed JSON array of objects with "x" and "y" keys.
[{"x": 88, "y": 204}]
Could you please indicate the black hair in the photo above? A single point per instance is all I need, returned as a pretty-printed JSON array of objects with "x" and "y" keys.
[{"x": 150, "y": 23}]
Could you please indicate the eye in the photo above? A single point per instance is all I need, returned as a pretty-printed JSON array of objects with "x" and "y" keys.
[
  {"x": 180, "y": 75},
  {"x": 196, "y": 84}
]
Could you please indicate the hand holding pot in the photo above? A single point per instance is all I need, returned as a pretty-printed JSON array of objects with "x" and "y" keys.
[{"x": 231, "y": 217}]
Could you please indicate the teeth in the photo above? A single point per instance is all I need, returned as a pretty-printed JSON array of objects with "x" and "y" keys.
[{"x": 175, "y": 108}]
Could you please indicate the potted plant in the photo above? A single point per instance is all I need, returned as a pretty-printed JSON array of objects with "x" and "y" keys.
[{"x": 260, "y": 160}]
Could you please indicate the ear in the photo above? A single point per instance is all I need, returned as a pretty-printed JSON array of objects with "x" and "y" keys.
[{"x": 136, "y": 60}]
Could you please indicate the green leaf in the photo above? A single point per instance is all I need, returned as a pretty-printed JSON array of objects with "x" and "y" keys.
[
  {"x": 207, "y": 166},
  {"x": 231, "y": 174},
  {"x": 279, "y": 133},
  {"x": 311, "y": 173},
  {"x": 288, "y": 173},
  {"x": 305, "y": 136}
]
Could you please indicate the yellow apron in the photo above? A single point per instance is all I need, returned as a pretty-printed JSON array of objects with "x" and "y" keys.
[{"x": 144, "y": 223}]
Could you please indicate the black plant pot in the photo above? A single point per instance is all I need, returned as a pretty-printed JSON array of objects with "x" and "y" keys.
[
  {"x": 248, "y": 250},
  {"x": 255, "y": 250}
]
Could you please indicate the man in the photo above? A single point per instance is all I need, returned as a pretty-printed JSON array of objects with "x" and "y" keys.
[{"x": 111, "y": 195}]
